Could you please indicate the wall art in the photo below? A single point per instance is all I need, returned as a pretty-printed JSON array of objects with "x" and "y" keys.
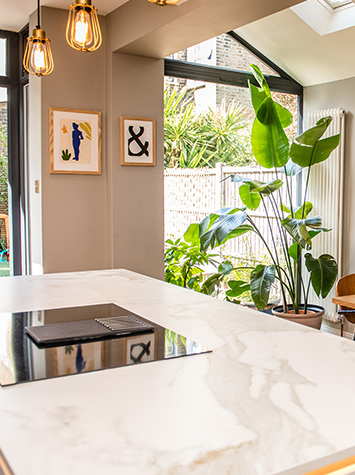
[
  {"x": 137, "y": 141},
  {"x": 74, "y": 141}
]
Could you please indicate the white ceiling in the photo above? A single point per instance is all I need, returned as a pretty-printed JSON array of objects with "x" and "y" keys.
[
  {"x": 311, "y": 58},
  {"x": 14, "y": 13}
]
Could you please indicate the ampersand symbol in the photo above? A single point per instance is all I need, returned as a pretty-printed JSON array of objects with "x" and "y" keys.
[{"x": 135, "y": 137}]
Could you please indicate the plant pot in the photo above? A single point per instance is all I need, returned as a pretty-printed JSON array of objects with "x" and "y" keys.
[{"x": 313, "y": 318}]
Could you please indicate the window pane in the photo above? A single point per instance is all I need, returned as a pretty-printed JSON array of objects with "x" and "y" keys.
[
  {"x": 3, "y": 56},
  {"x": 338, "y": 3},
  {"x": 4, "y": 210},
  {"x": 222, "y": 51}
]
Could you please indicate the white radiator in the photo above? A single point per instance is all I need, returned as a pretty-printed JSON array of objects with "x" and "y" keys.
[{"x": 326, "y": 193}]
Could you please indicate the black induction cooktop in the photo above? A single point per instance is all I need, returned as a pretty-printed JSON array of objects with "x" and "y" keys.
[{"x": 46, "y": 344}]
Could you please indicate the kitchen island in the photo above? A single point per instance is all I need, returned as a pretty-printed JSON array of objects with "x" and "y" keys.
[{"x": 273, "y": 397}]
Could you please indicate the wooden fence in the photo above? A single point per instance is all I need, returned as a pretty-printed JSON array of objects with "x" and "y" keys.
[{"x": 191, "y": 194}]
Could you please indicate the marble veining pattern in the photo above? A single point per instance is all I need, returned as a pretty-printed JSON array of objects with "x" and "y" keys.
[{"x": 270, "y": 397}]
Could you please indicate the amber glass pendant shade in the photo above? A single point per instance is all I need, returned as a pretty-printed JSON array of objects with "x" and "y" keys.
[{"x": 83, "y": 29}]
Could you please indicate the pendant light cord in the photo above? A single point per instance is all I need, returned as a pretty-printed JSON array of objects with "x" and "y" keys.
[{"x": 38, "y": 15}]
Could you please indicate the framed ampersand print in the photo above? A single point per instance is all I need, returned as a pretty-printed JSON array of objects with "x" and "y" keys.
[{"x": 137, "y": 141}]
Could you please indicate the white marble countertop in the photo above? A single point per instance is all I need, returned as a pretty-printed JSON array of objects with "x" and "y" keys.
[{"x": 272, "y": 398}]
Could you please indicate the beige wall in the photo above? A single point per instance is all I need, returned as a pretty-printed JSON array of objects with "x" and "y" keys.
[
  {"x": 83, "y": 222},
  {"x": 74, "y": 229},
  {"x": 325, "y": 96}
]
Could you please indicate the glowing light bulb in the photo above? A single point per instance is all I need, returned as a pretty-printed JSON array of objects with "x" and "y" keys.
[
  {"x": 38, "y": 57},
  {"x": 82, "y": 29}
]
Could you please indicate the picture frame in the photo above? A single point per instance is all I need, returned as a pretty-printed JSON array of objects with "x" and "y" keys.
[
  {"x": 138, "y": 141},
  {"x": 74, "y": 141},
  {"x": 140, "y": 348},
  {"x": 74, "y": 359}
]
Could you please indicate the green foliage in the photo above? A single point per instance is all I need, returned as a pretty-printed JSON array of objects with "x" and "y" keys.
[
  {"x": 295, "y": 230},
  {"x": 185, "y": 263},
  {"x": 66, "y": 155},
  {"x": 201, "y": 140},
  {"x": 3, "y": 168},
  {"x": 261, "y": 279},
  {"x": 323, "y": 271}
]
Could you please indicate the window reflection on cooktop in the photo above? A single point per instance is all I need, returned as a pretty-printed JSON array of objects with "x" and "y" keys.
[{"x": 23, "y": 360}]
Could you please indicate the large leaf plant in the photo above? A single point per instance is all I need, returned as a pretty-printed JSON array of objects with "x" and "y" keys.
[{"x": 296, "y": 229}]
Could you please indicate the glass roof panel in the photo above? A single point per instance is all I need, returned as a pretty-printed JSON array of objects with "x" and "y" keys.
[
  {"x": 223, "y": 51},
  {"x": 338, "y": 3}
]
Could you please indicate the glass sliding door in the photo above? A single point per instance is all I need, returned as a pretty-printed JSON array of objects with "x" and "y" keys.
[
  {"x": 13, "y": 211},
  {"x": 5, "y": 244}
]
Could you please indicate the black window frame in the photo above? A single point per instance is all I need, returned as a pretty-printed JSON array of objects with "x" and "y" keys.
[
  {"x": 232, "y": 77},
  {"x": 14, "y": 81}
]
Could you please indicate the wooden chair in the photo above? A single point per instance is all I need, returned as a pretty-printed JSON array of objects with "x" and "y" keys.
[
  {"x": 6, "y": 251},
  {"x": 346, "y": 286}
]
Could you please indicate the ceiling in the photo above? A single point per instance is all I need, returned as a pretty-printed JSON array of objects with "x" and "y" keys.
[
  {"x": 309, "y": 56},
  {"x": 15, "y": 13}
]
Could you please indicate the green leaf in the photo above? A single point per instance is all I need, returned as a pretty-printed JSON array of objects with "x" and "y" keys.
[
  {"x": 261, "y": 279},
  {"x": 221, "y": 227},
  {"x": 297, "y": 228},
  {"x": 210, "y": 285},
  {"x": 237, "y": 287},
  {"x": 208, "y": 221},
  {"x": 301, "y": 154},
  {"x": 192, "y": 233},
  {"x": 324, "y": 271},
  {"x": 324, "y": 148},
  {"x": 268, "y": 139},
  {"x": 306, "y": 156},
  {"x": 258, "y": 186},
  {"x": 293, "y": 251},
  {"x": 311, "y": 136},
  {"x": 250, "y": 199},
  {"x": 248, "y": 181},
  {"x": 243, "y": 229},
  {"x": 268, "y": 188},
  {"x": 261, "y": 80},
  {"x": 225, "y": 268},
  {"x": 257, "y": 98},
  {"x": 298, "y": 210},
  {"x": 291, "y": 168}
]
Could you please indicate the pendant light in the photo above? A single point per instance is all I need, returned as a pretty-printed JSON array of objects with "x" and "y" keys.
[
  {"x": 83, "y": 29},
  {"x": 164, "y": 2},
  {"x": 38, "y": 57}
]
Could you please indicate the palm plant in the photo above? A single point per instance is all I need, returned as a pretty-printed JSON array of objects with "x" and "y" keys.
[
  {"x": 219, "y": 130},
  {"x": 201, "y": 140},
  {"x": 291, "y": 244}
]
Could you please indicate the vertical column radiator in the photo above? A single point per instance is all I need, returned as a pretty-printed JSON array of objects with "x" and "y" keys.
[{"x": 326, "y": 193}]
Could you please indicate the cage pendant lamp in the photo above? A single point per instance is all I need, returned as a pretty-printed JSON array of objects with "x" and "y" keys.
[
  {"x": 38, "y": 57},
  {"x": 83, "y": 29},
  {"x": 164, "y": 2}
]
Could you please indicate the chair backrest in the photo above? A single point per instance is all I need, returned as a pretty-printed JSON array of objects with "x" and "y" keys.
[
  {"x": 6, "y": 219},
  {"x": 345, "y": 285}
]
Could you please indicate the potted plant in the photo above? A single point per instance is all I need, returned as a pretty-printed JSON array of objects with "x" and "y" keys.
[{"x": 292, "y": 242}]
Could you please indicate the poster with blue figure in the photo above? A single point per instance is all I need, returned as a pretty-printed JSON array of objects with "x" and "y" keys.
[
  {"x": 77, "y": 137},
  {"x": 75, "y": 141}
]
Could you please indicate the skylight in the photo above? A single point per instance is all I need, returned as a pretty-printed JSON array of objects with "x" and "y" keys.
[{"x": 338, "y": 3}]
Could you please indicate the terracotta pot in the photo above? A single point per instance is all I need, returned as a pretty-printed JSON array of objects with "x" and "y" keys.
[{"x": 313, "y": 318}]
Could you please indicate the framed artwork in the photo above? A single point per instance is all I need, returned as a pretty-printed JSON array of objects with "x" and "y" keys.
[
  {"x": 74, "y": 141},
  {"x": 140, "y": 348},
  {"x": 137, "y": 141},
  {"x": 74, "y": 359}
]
